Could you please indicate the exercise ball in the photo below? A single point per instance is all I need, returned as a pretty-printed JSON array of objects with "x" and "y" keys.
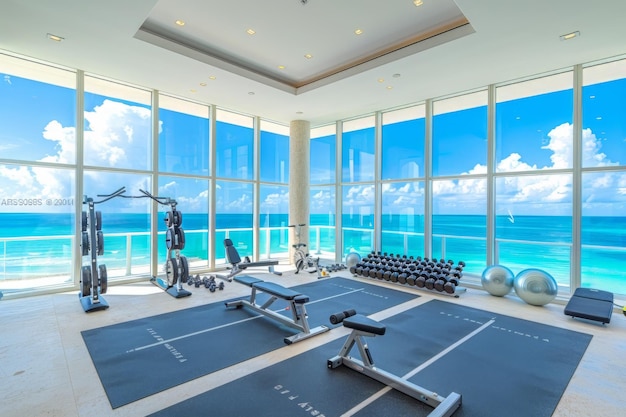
[
  {"x": 352, "y": 259},
  {"x": 497, "y": 280},
  {"x": 535, "y": 286}
]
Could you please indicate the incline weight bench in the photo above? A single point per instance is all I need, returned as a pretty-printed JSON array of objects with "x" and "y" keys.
[
  {"x": 363, "y": 326},
  {"x": 296, "y": 302},
  {"x": 233, "y": 258}
]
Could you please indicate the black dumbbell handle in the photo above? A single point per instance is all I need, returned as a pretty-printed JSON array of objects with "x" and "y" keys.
[{"x": 339, "y": 317}]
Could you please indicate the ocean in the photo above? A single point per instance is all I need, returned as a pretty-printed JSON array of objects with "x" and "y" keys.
[{"x": 38, "y": 245}]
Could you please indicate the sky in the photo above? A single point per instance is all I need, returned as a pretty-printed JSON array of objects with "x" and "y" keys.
[{"x": 38, "y": 123}]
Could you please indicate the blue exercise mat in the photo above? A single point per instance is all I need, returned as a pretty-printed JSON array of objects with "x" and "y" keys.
[
  {"x": 505, "y": 367},
  {"x": 139, "y": 358}
]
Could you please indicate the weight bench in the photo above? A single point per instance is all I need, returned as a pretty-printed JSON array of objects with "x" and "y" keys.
[
  {"x": 590, "y": 304},
  {"x": 295, "y": 300},
  {"x": 233, "y": 258},
  {"x": 365, "y": 327}
]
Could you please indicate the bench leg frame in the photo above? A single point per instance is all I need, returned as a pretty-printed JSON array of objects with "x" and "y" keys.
[
  {"x": 298, "y": 319},
  {"x": 443, "y": 406}
]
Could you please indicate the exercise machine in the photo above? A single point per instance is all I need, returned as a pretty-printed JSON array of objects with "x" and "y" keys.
[
  {"x": 591, "y": 304},
  {"x": 238, "y": 266},
  {"x": 295, "y": 300},
  {"x": 363, "y": 326},
  {"x": 176, "y": 265},
  {"x": 301, "y": 258},
  {"x": 93, "y": 277}
]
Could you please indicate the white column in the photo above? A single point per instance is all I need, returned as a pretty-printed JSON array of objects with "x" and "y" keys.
[{"x": 299, "y": 167}]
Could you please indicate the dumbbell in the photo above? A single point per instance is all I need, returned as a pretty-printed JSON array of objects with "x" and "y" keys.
[{"x": 339, "y": 317}]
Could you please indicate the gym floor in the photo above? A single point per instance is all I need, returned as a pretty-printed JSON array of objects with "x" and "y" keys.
[{"x": 46, "y": 370}]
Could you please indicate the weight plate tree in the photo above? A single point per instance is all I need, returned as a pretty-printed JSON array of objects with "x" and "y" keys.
[
  {"x": 93, "y": 277},
  {"x": 176, "y": 267}
]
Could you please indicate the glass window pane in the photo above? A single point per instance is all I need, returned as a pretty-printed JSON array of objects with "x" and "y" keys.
[
  {"x": 403, "y": 143},
  {"x": 358, "y": 219},
  {"x": 191, "y": 197},
  {"x": 460, "y": 135},
  {"x": 37, "y": 243},
  {"x": 534, "y": 124},
  {"x": 323, "y": 155},
  {"x": 604, "y": 106},
  {"x": 273, "y": 218},
  {"x": 358, "y": 150},
  {"x": 234, "y": 146},
  {"x": 125, "y": 222},
  {"x": 183, "y": 136},
  {"x": 37, "y": 112},
  {"x": 460, "y": 222},
  {"x": 603, "y": 231},
  {"x": 233, "y": 218},
  {"x": 322, "y": 222},
  {"x": 118, "y": 125},
  {"x": 403, "y": 218},
  {"x": 274, "y": 152},
  {"x": 534, "y": 224}
]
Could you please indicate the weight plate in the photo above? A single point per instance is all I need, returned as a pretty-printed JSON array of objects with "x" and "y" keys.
[
  {"x": 85, "y": 278},
  {"x": 104, "y": 279},
  {"x": 100, "y": 242},
  {"x": 85, "y": 244},
  {"x": 171, "y": 272},
  {"x": 83, "y": 222},
  {"x": 178, "y": 218},
  {"x": 184, "y": 269},
  {"x": 98, "y": 220}
]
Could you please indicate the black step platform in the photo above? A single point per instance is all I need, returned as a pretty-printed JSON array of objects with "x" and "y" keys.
[{"x": 590, "y": 304}]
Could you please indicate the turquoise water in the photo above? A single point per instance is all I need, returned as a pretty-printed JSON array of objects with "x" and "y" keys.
[{"x": 528, "y": 242}]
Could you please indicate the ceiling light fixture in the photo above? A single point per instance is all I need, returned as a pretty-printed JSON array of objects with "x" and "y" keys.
[
  {"x": 203, "y": 84},
  {"x": 55, "y": 38},
  {"x": 358, "y": 32},
  {"x": 250, "y": 31},
  {"x": 308, "y": 56},
  {"x": 569, "y": 36},
  {"x": 180, "y": 22},
  {"x": 212, "y": 77},
  {"x": 381, "y": 80},
  {"x": 418, "y": 3},
  {"x": 281, "y": 67}
]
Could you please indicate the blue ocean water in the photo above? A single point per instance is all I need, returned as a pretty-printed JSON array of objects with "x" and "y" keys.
[{"x": 526, "y": 242}]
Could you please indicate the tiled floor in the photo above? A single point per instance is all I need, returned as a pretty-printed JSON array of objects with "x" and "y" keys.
[{"x": 45, "y": 369}]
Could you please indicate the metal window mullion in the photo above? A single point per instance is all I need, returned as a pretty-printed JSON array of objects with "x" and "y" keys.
[
  {"x": 154, "y": 224},
  {"x": 378, "y": 146},
  {"x": 428, "y": 193},
  {"x": 212, "y": 186},
  {"x": 256, "y": 208},
  {"x": 78, "y": 178},
  {"x": 338, "y": 191},
  {"x": 491, "y": 157},
  {"x": 575, "y": 255}
]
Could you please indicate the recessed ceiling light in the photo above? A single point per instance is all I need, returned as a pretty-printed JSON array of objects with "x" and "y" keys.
[
  {"x": 281, "y": 67},
  {"x": 212, "y": 77},
  {"x": 250, "y": 31},
  {"x": 180, "y": 22},
  {"x": 55, "y": 38},
  {"x": 308, "y": 56},
  {"x": 396, "y": 75},
  {"x": 193, "y": 91},
  {"x": 358, "y": 32},
  {"x": 569, "y": 36},
  {"x": 203, "y": 84},
  {"x": 250, "y": 93},
  {"x": 381, "y": 80},
  {"x": 418, "y": 3},
  {"x": 389, "y": 87}
]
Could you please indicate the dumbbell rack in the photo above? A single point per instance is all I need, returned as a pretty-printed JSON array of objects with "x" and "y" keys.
[
  {"x": 176, "y": 265},
  {"x": 93, "y": 278}
]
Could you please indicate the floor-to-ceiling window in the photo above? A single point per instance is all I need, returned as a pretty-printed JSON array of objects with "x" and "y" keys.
[
  {"x": 38, "y": 199},
  {"x": 274, "y": 190},
  {"x": 358, "y": 193},
  {"x": 533, "y": 166},
  {"x": 402, "y": 194},
  {"x": 117, "y": 152},
  {"x": 603, "y": 197},
  {"x": 459, "y": 185},
  {"x": 184, "y": 168},
  {"x": 322, "y": 198},
  {"x": 234, "y": 193}
]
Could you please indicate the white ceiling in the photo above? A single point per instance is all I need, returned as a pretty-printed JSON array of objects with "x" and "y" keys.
[{"x": 439, "y": 48}]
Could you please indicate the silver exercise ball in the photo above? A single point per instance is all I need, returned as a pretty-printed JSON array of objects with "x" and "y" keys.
[
  {"x": 352, "y": 259},
  {"x": 535, "y": 286},
  {"x": 497, "y": 280}
]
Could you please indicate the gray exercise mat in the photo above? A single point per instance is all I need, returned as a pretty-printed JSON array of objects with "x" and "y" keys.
[
  {"x": 139, "y": 358},
  {"x": 509, "y": 367}
]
